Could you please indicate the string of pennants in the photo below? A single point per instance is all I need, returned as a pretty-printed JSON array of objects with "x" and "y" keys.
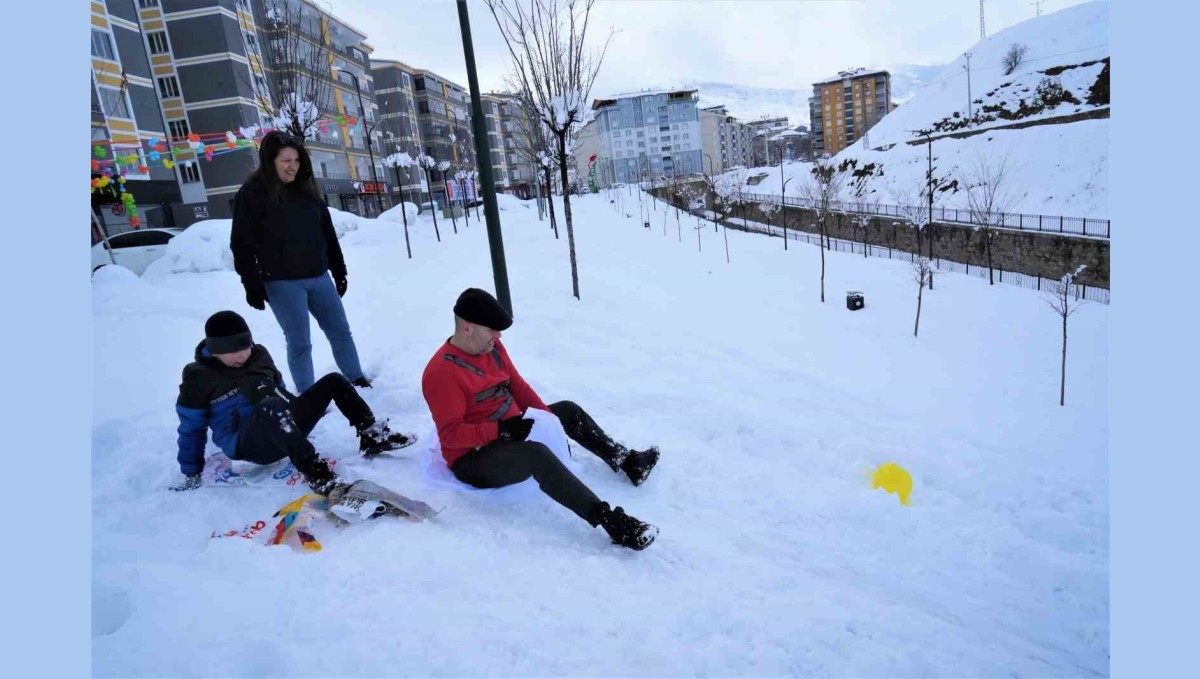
[
  {"x": 116, "y": 158},
  {"x": 112, "y": 167}
]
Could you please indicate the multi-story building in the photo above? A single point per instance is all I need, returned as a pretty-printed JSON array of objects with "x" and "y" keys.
[
  {"x": 724, "y": 141},
  {"x": 763, "y": 130},
  {"x": 513, "y": 159},
  {"x": 174, "y": 69},
  {"x": 444, "y": 119},
  {"x": 399, "y": 124},
  {"x": 646, "y": 135},
  {"x": 844, "y": 108}
]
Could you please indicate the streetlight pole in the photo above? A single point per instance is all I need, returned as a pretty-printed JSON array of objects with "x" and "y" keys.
[
  {"x": 711, "y": 181},
  {"x": 479, "y": 126},
  {"x": 370, "y": 151}
]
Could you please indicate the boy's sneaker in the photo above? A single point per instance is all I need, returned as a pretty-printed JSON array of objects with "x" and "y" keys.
[
  {"x": 323, "y": 481},
  {"x": 639, "y": 463},
  {"x": 623, "y": 528},
  {"x": 378, "y": 438}
]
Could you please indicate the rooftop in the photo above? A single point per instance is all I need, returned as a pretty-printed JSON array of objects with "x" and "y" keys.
[{"x": 852, "y": 73}]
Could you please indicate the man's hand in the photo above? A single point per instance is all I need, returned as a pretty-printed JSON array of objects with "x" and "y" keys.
[
  {"x": 189, "y": 483},
  {"x": 514, "y": 429}
]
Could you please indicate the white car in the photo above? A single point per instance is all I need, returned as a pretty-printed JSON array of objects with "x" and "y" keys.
[{"x": 134, "y": 250}]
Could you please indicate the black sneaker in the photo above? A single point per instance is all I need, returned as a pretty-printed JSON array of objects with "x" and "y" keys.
[
  {"x": 378, "y": 438},
  {"x": 624, "y": 529},
  {"x": 639, "y": 463},
  {"x": 361, "y": 382},
  {"x": 324, "y": 481}
]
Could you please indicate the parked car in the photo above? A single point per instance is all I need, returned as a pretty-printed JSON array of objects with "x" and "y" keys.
[
  {"x": 429, "y": 205},
  {"x": 134, "y": 250}
]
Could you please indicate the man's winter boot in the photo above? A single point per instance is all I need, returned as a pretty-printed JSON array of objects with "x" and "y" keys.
[
  {"x": 639, "y": 463},
  {"x": 377, "y": 438},
  {"x": 623, "y": 528},
  {"x": 362, "y": 383},
  {"x": 323, "y": 480}
]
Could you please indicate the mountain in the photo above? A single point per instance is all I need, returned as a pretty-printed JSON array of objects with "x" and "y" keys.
[{"x": 750, "y": 103}]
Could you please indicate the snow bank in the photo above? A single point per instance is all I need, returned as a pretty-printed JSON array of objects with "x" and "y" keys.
[
  {"x": 203, "y": 246},
  {"x": 393, "y": 214}
]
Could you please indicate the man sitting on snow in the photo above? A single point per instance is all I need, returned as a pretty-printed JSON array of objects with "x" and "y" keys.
[
  {"x": 234, "y": 388},
  {"x": 477, "y": 397}
]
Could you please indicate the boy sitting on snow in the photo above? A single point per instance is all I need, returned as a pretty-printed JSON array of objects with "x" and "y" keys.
[
  {"x": 477, "y": 397},
  {"x": 234, "y": 388}
]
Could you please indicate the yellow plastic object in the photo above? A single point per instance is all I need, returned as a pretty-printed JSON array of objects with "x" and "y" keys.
[{"x": 894, "y": 479}]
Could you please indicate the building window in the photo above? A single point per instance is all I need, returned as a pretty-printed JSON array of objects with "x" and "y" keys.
[
  {"x": 168, "y": 86},
  {"x": 419, "y": 83},
  {"x": 179, "y": 129},
  {"x": 147, "y": 3},
  {"x": 422, "y": 107},
  {"x": 190, "y": 172},
  {"x": 158, "y": 42},
  {"x": 102, "y": 45},
  {"x": 114, "y": 103}
]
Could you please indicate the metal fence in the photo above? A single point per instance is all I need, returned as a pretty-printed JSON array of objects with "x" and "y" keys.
[
  {"x": 1090, "y": 293},
  {"x": 1083, "y": 226}
]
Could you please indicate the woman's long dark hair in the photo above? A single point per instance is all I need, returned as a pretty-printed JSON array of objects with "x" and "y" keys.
[{"x": 272, "y": 144}]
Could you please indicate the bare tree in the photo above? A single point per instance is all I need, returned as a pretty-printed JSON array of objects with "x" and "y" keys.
[
  {"x": 823, "y": 192},
  {"x": 547, "y": 41},
  {"x": 1059, "y": 296},
  {"x": 726, "y": 190},
  {"x": 1014, "y": 56},
  {"x": 988, "y": 200},
  {"x": 299, "y": 59},
  {"x": 867, "y": 204},
  {"x": 922, "y": 274},
  {"x": 768, "y": 209},
  {"x": 532, "y": 141}
]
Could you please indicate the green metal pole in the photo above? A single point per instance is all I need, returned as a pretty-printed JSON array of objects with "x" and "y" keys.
[{"x": 484, "y": 156}]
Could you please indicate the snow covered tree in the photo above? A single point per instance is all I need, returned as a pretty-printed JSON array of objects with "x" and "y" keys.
[
  {"x": 1059, "y": 296},
  {"x": 922, "y": 274},
  {"x": 427, "y": 163},
  {"x": 866, "y": 206},
  {"x": 300, "y": 83},
  {"x": 769, "y": 209},
  {"x": 823, "y": 193},
  {"x": 726, "y": 190},
  {"x": 548, "y": 43},
  {"x": 988, "y": 200},
  {"x": 400, "y": 161}
]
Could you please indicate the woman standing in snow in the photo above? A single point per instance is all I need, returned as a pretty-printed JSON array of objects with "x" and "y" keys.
[{"x": 284, "y": 248}]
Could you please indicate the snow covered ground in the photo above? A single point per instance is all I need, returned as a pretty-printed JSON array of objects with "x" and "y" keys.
[{"x": 775, "y": 555}]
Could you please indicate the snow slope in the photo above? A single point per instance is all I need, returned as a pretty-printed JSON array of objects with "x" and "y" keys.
[
  {"x": 771, "y": 408},
  {"x": 1059, "y": 169}
]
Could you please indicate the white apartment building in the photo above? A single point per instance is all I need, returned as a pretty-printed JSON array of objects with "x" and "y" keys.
[{"x": 648, "y": 135}]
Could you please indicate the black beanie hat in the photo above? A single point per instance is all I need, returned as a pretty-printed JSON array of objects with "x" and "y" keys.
[
  {"x": 225, "y": 332},
  {"x": 479, "y": 307}
]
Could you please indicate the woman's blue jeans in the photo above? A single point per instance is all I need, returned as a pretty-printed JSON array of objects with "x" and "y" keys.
[{"x": 291, "y": 301}]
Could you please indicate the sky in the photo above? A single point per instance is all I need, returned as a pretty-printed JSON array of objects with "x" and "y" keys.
[{"x": 666, "y": 42}]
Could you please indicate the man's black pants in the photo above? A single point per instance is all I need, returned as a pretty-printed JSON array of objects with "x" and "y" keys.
[
  {"x": 278, "y": 429},
  {"x": 503, "y": 463}
]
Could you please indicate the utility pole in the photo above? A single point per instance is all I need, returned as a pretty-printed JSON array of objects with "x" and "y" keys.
[
  {"x": 367, "y": 133},
  {"x": 479, "y": 125},
  {"x": 970, "y": 106},
  {"x": 929, "y": 221},
  {"x": 1038, "y": 4},
  {"x": 982, "y": 30}
]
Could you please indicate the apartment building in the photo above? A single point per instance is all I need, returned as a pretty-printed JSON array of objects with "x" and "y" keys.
[
  {"x": 164, "y": 70},
  {"x": 444, "y": 119},
  {"x": 650, "y": 134},
  {"x": 399, "y": 125},
  {"x": 724, "y": 141},
  {"x": 763, "y": 129},
  {"x": 513, "y": 160},
  {"x": 843, "y": 109}
]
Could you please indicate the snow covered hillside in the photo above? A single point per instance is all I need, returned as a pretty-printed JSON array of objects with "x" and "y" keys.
[
  {"x": 1057, "y": 169},
  {"x": 775, "y": 556},
  {"x": 749, "y": 103}
]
